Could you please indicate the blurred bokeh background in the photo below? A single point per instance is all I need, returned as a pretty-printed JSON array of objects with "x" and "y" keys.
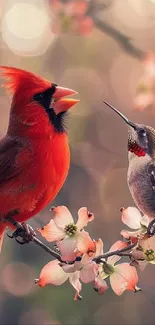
[{"x": 104, "y": 50}]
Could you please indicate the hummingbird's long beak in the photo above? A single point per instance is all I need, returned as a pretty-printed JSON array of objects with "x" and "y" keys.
[{"x": 121, "y": 115}]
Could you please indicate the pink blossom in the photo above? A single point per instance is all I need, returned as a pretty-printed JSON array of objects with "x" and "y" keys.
[
  {"x": 85, "y": 26},
  {"x": 138, "y": 259},
  {"x": 144, "y": 252},
  {"x": 84, "y": 269},
  {"x": 143, "y": 100},
  {"x": 149, "y": 65},
  {"x": 52, "y": 273},
  {"x": 145, "y": 90},
  {"x": 122, "y": 276},
  {"x": 146, "y": 246},
  {"x": 134, "y": 220},
  {"x": 57, "y": 273},
  {"x": 71, "y": 16},
  {"x": 70, "y": 237}
]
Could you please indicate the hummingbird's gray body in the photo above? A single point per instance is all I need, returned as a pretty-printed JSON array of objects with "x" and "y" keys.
[
  {"x": 140, "y": 183},
  {"x": 141, "y": 171}
]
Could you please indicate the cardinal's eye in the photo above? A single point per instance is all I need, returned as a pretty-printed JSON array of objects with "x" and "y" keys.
[
  {"x": 142, "y": 132},
  {"x": 38, "y": 97}
]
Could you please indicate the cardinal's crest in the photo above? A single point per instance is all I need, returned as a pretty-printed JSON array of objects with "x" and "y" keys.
[{"x": 21, "y": 80}]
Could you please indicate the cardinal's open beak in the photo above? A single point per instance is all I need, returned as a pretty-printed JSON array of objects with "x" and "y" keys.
[{"x": 61, "y": 104}]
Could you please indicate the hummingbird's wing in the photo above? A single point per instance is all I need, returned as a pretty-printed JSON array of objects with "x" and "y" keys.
[{"x": 151, "y": 173}]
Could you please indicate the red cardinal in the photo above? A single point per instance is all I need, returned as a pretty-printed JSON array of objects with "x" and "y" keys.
[{"x": 34, "y": 154}]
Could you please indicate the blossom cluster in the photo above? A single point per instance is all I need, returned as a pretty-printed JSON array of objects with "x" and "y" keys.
[
  {"x": 82, "y": 259},
  {"x": 145, "y": 93},
  {"x": 71, "y": 16}
]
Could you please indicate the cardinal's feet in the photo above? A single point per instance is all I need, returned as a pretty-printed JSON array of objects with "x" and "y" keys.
[
  {"x": 26, "y": 233},
  {"x": 151, "y": 228}
]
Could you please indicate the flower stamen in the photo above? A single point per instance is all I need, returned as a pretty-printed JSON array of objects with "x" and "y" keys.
[
  {"x": 107, "y": 268},
  {"x": 71, "y": 229},
  {"x": 150, "y": 255}
]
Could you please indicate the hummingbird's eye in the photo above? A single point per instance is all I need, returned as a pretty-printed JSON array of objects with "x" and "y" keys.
[{"x": 142, "y": 132}]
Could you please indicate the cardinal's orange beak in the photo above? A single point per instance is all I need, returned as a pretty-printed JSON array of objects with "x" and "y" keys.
[{"x": 61, "y": 104}]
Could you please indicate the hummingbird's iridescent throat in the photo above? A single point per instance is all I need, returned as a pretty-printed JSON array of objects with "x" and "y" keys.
[{"x": 135, "y": 148}]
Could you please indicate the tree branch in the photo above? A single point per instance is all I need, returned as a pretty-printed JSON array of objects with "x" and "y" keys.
[
  {"x": 123, "y": 40},
  {"x": 32, "y": 238},
  {"x": 21, "y": 232},
  {"x": 118, "y": 252}
]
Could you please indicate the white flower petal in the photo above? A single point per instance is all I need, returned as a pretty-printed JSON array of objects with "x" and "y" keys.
[
  {"x": 116, "y": 246},
  {"x": 84, "y": 243},
  {"x": 52, "y": 273},
  {"x": 124, "y": 278},
  {"x": 100, "y": 285},
  {"x": 131, "y": 217},
  {"x": 131, "y": 234},
  {"x": 74, "y": 281},
  {"x": 145, "y": 220},
  {"x": 89, "y": 272},
  {"x": 51, "y": 232},
  {"x": 67, "y": 248},
  {"x": 84, "y": 216},
  {"x": 62, "y": 216},
  {"x": 99, "y": 247}
]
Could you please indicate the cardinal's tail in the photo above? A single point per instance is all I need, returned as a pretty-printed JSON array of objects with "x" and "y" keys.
[{"x": 2, "y": 231}]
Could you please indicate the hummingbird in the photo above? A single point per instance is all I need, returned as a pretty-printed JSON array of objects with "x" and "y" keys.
[{"x": 141, "y": 169}]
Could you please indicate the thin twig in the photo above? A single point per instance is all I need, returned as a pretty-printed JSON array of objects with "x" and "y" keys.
[
  {"x": 125, "y": 254},
  {"x": 117, "y": 252},
  {"x": 46, "y": 248}
]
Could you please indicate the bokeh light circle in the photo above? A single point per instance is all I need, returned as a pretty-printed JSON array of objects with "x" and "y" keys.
[
  {"x": 17, "y": 279},
  {"x": 26, "y": 28}
]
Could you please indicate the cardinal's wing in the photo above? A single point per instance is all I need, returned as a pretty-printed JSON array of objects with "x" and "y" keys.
[
  {"x": 9, "y": 166},
  {"x": 18, "y": 184}
]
